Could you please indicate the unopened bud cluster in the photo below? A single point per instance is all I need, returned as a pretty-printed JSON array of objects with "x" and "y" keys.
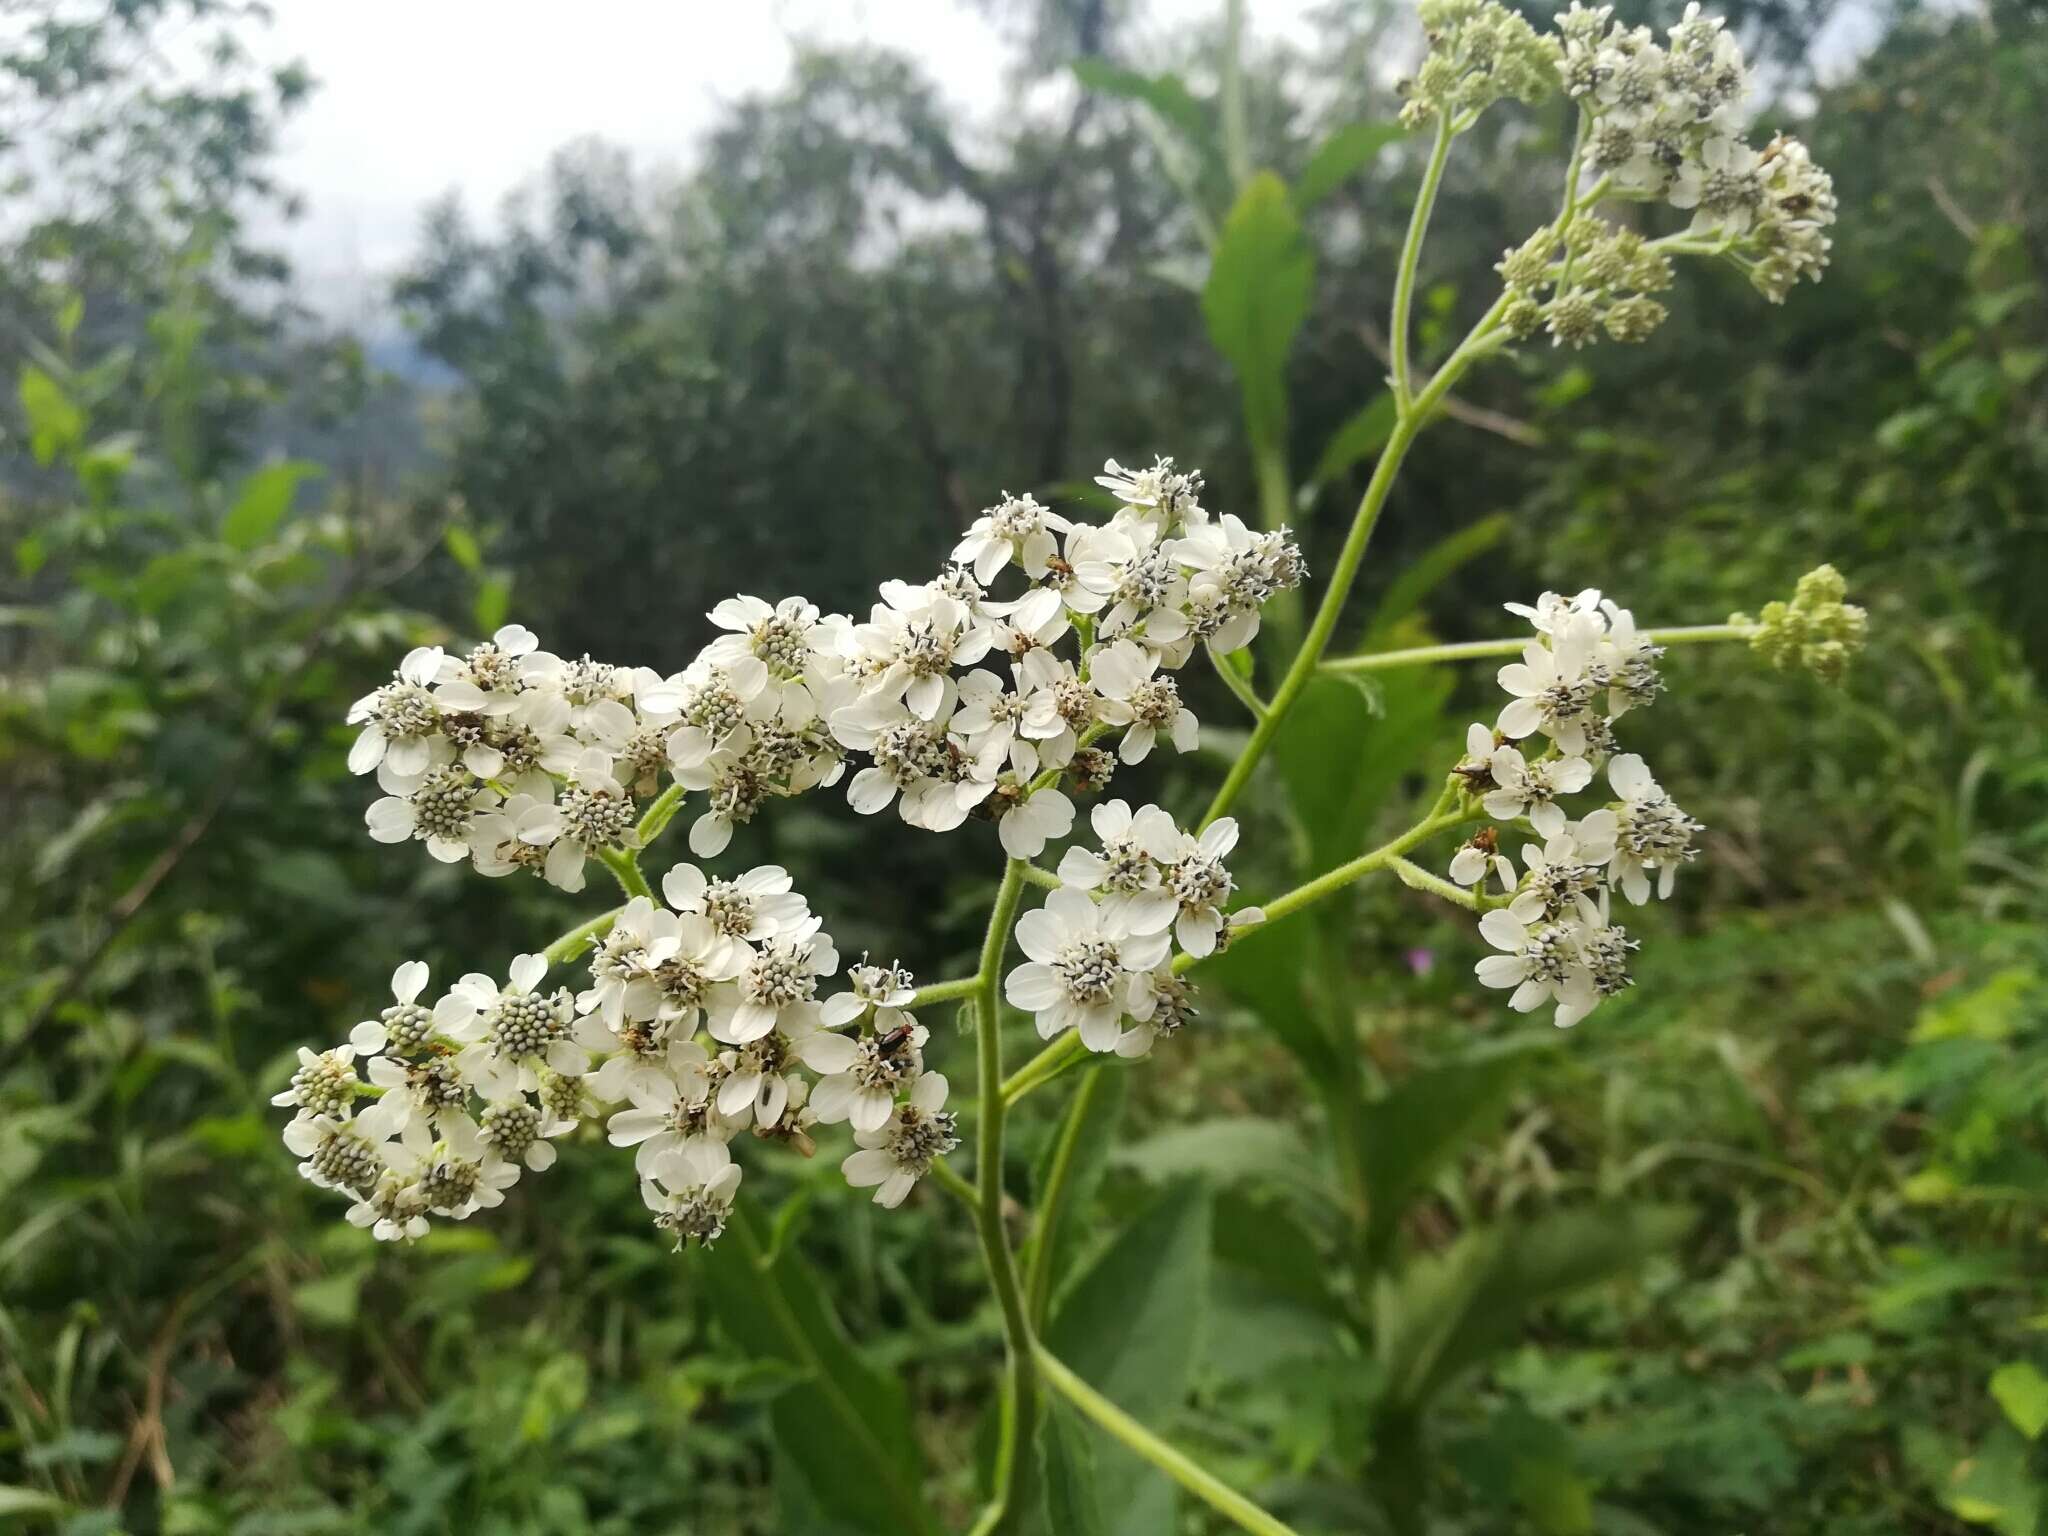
[
  {"x": 1817, "y": 630},
  {"x": 1479, "y": 52}
]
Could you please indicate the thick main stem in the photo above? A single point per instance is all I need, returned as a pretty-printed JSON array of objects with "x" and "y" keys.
[
  {"x": 1406, "y": 428},
  {"x": 1020, "y": 1397}
]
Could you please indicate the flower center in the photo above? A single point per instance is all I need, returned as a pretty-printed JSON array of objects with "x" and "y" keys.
[{"x": 1088, "y": 968}]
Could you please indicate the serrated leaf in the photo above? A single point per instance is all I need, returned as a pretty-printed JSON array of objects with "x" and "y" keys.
[
  {"x": 1341, "y": 156},
  {"x": 1432, "y": 568},
  {"x": 1341, "y": 760},
  {"x": 1269, "y": 972},
  {"x": 263, "y": 500},
  {"x": 1260, "y": 282}
]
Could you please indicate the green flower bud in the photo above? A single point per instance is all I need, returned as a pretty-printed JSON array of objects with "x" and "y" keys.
[{"x": 1816, "y": 630}]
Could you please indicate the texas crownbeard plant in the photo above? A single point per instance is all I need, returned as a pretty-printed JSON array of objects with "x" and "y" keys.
[{"x": 719, "y": 1005}]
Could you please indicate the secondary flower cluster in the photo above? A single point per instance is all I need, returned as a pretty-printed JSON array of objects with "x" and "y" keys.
[
  {"x": 434, "y": 1110},
  {"x": 1667, "y": 124},
  {"x": 961, "y": 702},
  {"x": 1100, "y": 949},
  {"x": 1816, "y": 630},
  {"x": 1587, "y": 666}
]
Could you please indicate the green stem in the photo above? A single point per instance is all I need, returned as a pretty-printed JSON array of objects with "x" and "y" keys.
[
  {"x": 1406, "y": 427},
  {"x": 570, "y": 944},
  {"x": 1044, "y": 879},
  {"x": 1052, "y": 1202},
  {"x": 625, "y": 869},
  {"x": 660, "y": 812},
  {"x": 951, "y": 1182},
  {"x": 1416, "y": 878},
  {"x": 1045, "y": 1066},
  {"x": 1226, "y": 1501},
  {"x": 1468, "y": 650},
  {"x": 945, "y": 991},
  {"x": 1411, "y": 255},
  {"x": 1020, "y": 1406},
  {"x": 1237, "y": 155}
]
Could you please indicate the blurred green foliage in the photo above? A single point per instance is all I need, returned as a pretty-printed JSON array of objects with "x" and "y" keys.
[{"x": 1758, "y": 1247}]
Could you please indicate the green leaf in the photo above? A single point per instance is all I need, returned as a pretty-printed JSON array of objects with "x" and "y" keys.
[
  {"x": 1432, "y": 568},
  {"x": 2022, "y": 1391},
  {"x": 1341, "y": 156},
  {"x": 493, "y": 603},
  {"x": 1072, "y": 1507},
  {"x": 1426, "y": 1119},
  {"x": 1440, "y": 1315},
  {"x": 846, "y": 1425},
  {"x": 559, "y": 1389},
  {"x": 1342, "y": 760},
  {"x": 1257, "y": 296},
  {"x": 1227, "y": 1150},
  {"x": 1166, "y": 95},
  {"x": 463, "y": 547},
  {"x": 1099, "y": 1102},
  {"x": 1131, "y": 1325},
  {"x": 1361, "y": 436},
  {"x": 264, "y": 499},
  {"x": 330, "y": 1301},
  {"x": 55, "y": 423}
]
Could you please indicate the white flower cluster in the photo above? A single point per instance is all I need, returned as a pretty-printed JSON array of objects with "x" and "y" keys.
[
  {"x": 1587, "y": 666},
  {"x": 456, "y": 1098},
  {"x": 1100, "y": 949},
  {"x": 1667, "y": 124},
  {"x": 514, "y": 758}
]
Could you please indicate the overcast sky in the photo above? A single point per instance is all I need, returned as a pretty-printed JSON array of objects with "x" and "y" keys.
[{"x": 418, "y": 97}]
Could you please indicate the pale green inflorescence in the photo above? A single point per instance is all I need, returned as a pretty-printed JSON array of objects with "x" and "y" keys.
[{"x": 1816, "y": 630}]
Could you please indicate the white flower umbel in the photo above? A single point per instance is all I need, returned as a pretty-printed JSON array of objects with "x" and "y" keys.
[
  {"x": 444, "y": 810},
  {"x": 399, "y": 719},
  {"x": 754, "y": 907},
  {"x": 917, "y": 1134},
  {"x": 673, "y": 1112},
  {"x": 407, "y": 1025},
  {"x": 1130, "y": 869},
  {"x": 1081, "y": 969},
  {"x": 510, "y": 1031}
]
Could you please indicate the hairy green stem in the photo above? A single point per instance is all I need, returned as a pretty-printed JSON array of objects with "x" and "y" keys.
[
  {"x": 1411, "y": 255},
  {"x": 945, "y": 992},
  {"x": 1409, "y": 423},
  {"x": 1237, "y": 153},
  {"x": 1470, "y": 650},
  {"x": 1020, "y": 1402},
  {"x": 660, "y": 812},
  {"x": 625, "y": 868},
  {"x": 1225, "y": 1500},
  {"x": 1416, "y": 878},
  {"x": 570, "y": 944}
]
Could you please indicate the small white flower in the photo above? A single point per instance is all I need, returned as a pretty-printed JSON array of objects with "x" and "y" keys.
[
  {"x": 1200, "y": 885},
  {"x": 1129, "y": 871},
  {"x": 1524, "y": 788},
  {"x": 1123, "y": 673},
  {"x": 510, "y": 1030},
  {"x": 443, "y": 811},
  {"x": 751, "y": 908},
  {"x": 918, "y": 1133},
  {"x": 406, "y": 1025},
  {"x": 325, "y": 1084},
  {"x": 1564, "y": 875},
  {"x": 1016, "y": 528},
  {"x": 1553, "y": 692},
  {"x": 691, "y": 1192},
  {"x": 1079, "y": 975},
  {"x": 776, "y": 987},
  {"x": 673, "y": 1113},
  {"x": 1471, "y": 864},
  {"x": 1651, "y": 832},
  {"x": 1542, "y": 963},
  {"x": 399, "y": 718}
]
